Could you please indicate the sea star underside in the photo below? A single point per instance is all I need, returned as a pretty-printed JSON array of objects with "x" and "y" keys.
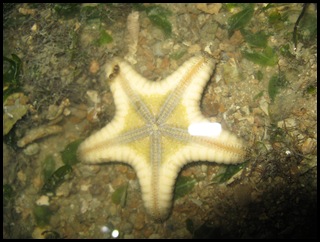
[{"x": 150, "y": 129}]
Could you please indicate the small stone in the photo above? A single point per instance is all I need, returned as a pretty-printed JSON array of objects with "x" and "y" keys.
[
  {"x": 204, "y": 168},
  {"x": 34, "y": 28},
  {"x": 43, "y": 201},
  {"x": 27, "y": 11},
  {"x": 55, "y": 111},
  {"x": 63, "y": 190},
  {"x": 84, "y": 206},
  {"x": 89, "y": 171},
  {"x": 66, "y": 112},
  {"x": 212, "y": 8},
  {"x": 96, "y": 189},
  {"x": 288, "y": 123},
  {"x": 37, "y": 182},
  {"x": 211, "y": 108},
  {"x": 127, "y": 227},
  {"x": 94, "y": 67},
  {"x": 85, "y": 187},
  {"x": 117, "y": 182},
  {"x": 194, "y": 49},
  {"x": 22, "y": 176},
  {"x": 93, "y": 97},
  {"x": 79, "y": 111},
  {"x": 140, "y": 221},
  {"x": 32, "y": 149},
  {"x": 308, "y": 146},
  {"x": 264, "y": 105}
]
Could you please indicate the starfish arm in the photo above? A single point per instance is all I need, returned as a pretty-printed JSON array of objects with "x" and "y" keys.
[
  {"x": 157, "y": 186},
  {"x": 176, "y": 133},
  {"x": 155, "y": 161},
  {"x": 200, "y": 68},
  {"x": 131, "y": 135},
  {"x": 135, "y": 100},
  {"x": 225, "y": 148},
  {"x": 105, "y": 145}
]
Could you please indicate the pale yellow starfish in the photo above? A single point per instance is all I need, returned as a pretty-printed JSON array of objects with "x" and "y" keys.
[{"x": 150, "y": 129}]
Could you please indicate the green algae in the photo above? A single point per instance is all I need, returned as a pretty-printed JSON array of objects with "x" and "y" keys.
[
  {"x": 119, "y": 196},
  {"x": 158, "y": 16},
  {"x": 67, "y": 10},
  {"x": 258, "y": 39},
  {"x": 267, "y": 57},
  {"x": 275, "y": 83},
  {"x": 162, "y": 23},
  {"x": 8, "y": 194},
  {"x": 56, "y": 179},
  {"x": 184, "y": 185},
  {"x": 230, "y": 171},
  {"x": 241, "y": 19},
  {"x": 11, "y": 74},
  {"x": 69, "y": 154},
  {"x": 48, "y": 166},
  {"x": 104, "y": 38},
  {"x": 42, "y": 215}
]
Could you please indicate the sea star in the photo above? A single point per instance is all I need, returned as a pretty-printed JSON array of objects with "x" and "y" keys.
[{"x": 150, "y": 129}]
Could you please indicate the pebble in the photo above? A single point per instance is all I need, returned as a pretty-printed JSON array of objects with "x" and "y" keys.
[
  {"x": 158, "y": 50},
  {"x": 93, "y": 97},
  {"x": 264, "y": 105},
  {"x": 89, "y": 171},
  {"x": 308, "y": 146},
  {"x": 288, "y": 123},
  {"x": 27, "y": 11},
  {"x": 84, "y": 206},
  {"x": 37, "y": 182},
  {"x": 66, "y": 112},
  {"x": 22, "y": 177},
  {"x": 31, "y": 149},
  {"x": 92, "y": 115},
  {"x": 138, "y": 220},
  {"x": 43, "y": 201},
  {"x": 94, "y": 67},
  {"x": 194, "y": 49},
  {"x": 96, "y": 189},
  {"x": 117, "y": 182},
  {"x": 79, "y": 113},
  {"x": 63, "y": 190},
  {"x": 55, "y": 111},
  {"x": 213, "y": 8},
  {"x": 85, "y": 187},
  {"x": 127, "y": 227}
]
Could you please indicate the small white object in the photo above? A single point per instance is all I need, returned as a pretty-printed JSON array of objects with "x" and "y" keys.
[
  {"x": 105, "y": 229},
  {"x": 43, "y": 201},
  {"x": 115, "y": 233},
  {"x": 288, "y": 152},
  {"x": 205, "y": 129}
]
